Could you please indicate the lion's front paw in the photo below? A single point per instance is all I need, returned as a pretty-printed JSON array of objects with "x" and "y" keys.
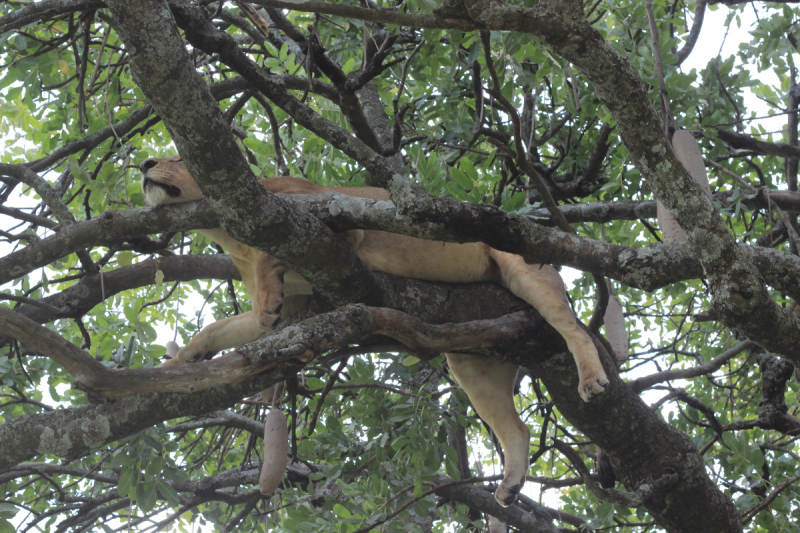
[
  {"x": 506, "y": 495},
  {"x": 193, "y": 354},
  {"x": 592, "y": 385}
]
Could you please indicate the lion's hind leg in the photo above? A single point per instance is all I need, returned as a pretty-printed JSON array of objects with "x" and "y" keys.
[
  {"x": 268, "y": 300},
  {"x": 543, "y": 288},
  {"x": 489, "y": 384}
]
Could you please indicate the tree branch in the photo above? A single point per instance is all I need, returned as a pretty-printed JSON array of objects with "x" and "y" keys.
[
  {"x": 694, "y": 33},
  {"x": 643, "y": 383},
  {"x": 305, "y": 340}
]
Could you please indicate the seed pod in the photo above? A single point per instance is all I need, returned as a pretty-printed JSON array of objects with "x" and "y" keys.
[
  {"x": 276, "y": 450},
  {"x": 616, "y": 331},
  {"x": 172, "y": 349},
  {"x": 687, "y": 150},
  {"x": 495, "y": 526},
  {"x": 688, "y": 153},
  {"x": 670, "y": 229}
]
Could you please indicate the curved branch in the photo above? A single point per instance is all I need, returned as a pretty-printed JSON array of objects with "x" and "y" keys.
[
  {"x": 44, "y": 10},
  {"x": 224, "y": 418},
  {"x": 78, "y": 363},
  {"x": 74, "y": 432},
  {"x": 538, "y": 521},
  {"x": 81, "y": 297},
  {"x": 45, "y": 191},
  {"x": 740, "y": 141},
  {"x": 694, "y": 33},
  {"x": 640, "y": 384},
  {"x": 110, "y": 228},
  {"x": 305, "y": 340},
  {"x": 386, "y": 16}
]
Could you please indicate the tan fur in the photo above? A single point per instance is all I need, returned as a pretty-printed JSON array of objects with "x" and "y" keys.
[{"x": 488, "y": 383}]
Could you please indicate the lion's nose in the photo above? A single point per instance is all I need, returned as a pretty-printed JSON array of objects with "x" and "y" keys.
[{"x": 147, "y": 164}]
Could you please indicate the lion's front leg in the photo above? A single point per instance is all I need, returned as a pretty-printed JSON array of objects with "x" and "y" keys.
[
  {"x": 489, "y": 384},
  {"x": 221, "y": 335}
]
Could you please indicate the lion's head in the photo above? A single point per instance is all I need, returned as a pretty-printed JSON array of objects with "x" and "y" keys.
[{"x": 165, "y": 180}]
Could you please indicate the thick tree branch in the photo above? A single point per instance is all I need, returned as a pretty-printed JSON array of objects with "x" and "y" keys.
[
  {"x": 314, "y": 336},
  {"x": 539, "y": 521},
  {"x": 387, "y": 16},
  {"x": 78, "y": 363},
  {"x": 741, "y": 141},
  {"x": 44, "y": 10},
  {"x": 224, "y": 418},
  {"x": 112, "y": 227},
  {"x": 81, "y": 297},
  {"x": 646, "y": 268},
  {"x": 74, "y": 432}
]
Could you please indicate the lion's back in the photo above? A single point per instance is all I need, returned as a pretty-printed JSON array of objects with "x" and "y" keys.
[{"x": 288, "y": 185}]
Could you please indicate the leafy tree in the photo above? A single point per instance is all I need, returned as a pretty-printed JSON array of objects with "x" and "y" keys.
[{"x": 539, "y": 128}]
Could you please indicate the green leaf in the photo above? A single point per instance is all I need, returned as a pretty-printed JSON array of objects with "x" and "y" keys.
[
  {"x": 79, "y": 173},
  {"x": 146, "y": 495},
  {"x": 410, "y": 360},
  {"x": 126, "y": 481},
  {"x": 341, "y": 512},
  {"x": 168, "y": 493},
  {"x": 7, "y": 510},
  {"x": 418, "y": 488},
  {"x": 461, "y": 178}
]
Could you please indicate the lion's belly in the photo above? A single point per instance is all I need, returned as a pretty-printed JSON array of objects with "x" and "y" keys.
[{"x": 429, "y": 260}]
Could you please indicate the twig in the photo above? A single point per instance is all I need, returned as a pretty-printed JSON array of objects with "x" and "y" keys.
[
  {"x": 398, "y": 115},
  {"x": 749, "y": 515},
  {"x": 161, "y": 300},
  {"x": 276, "y": 137},
  {"x": 659, "y": 67},
  {"x": 255, "y": 17},
  {"x": 23, "y": 300},
  {"x": 617, "y": 497},
  {"x": 715, "y": 364},
  {"x": 418, "y": 498},
  {"x": 521, "y": 157},
  {"x": 331, "y": 380},
  {"x": 790, "y": 229}
]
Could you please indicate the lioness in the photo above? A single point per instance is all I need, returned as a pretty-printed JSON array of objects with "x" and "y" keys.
[{"x": 487, "y": 382}]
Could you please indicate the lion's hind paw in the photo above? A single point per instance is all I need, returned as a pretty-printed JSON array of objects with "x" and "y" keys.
[{"x": 592, "y": 386}]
